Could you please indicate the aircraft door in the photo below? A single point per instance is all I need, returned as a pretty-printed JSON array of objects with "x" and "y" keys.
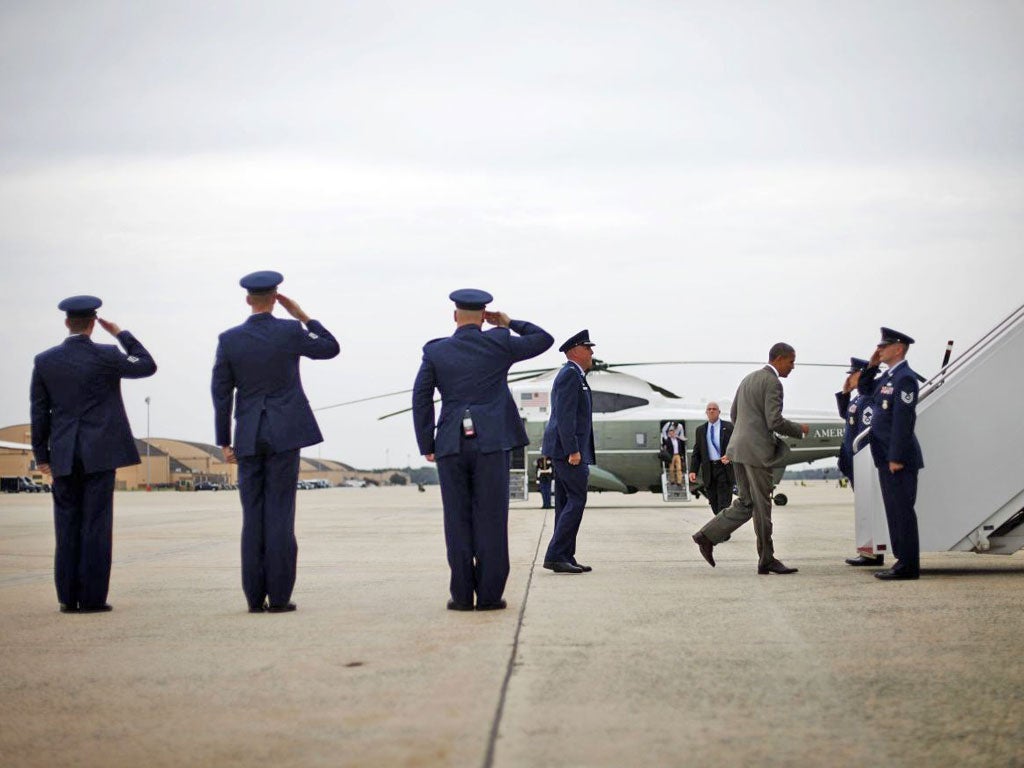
[
  {"x": 675, "y": 482},
  {"x": 518, "y": 481}
]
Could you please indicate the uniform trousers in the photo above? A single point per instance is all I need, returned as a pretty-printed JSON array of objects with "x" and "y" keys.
[
  {"x": 83, "y": 520},
  {"x": 570, "y": 500},
  {"x": 474, "y": 492},
  {"x": 899, "y": 494},
  {"x": 719, "y": 487},
  {"x": 544, "y": 485},
  {"x": 754, "y": 499},
  {"x": 267, "y": 485}
]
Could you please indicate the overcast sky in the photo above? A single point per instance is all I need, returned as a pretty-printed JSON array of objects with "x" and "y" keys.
[{"x": 689, "y": 180}]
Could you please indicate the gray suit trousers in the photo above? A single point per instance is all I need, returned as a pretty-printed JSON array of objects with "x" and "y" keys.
[{"x": 754, "y": 499}]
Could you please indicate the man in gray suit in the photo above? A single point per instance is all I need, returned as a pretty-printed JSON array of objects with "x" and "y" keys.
[{"x": 754, "y": 450}]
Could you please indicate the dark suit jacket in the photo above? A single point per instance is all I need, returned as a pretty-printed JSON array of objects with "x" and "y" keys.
[
  {"x": 570, "y": 428},
  {"x": 77, "y": 411},
  {"x": 699, "y": 460},
  {"x": 258, "y": 363},
  {"x": 470, "y": 369}
]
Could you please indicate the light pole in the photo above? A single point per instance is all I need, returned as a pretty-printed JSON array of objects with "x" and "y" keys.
[{"x": 148, "y": 486}]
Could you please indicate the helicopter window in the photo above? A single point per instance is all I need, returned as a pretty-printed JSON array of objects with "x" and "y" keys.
[
  {"x": 641, "y": 439},
  {"x": 609, "y": 402}
]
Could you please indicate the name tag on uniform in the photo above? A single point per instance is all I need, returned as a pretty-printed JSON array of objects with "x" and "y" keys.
[
  {"x": 132, "y": 359},
  {"x": 313, "y": 335}
]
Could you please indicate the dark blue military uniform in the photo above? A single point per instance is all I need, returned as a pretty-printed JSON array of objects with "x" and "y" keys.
[
  {"x": 80, "y": 428},
  {"x": 257, "y": 365},
  {"x": 470, "y": 370},
  {"x": 850, "y": 408},
  {"x": 568, "y": 431},
  {"x": 893, "y": 405}
]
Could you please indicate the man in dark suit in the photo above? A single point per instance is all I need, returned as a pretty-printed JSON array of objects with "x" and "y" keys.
[
  {"x": 80, "y": 436},
  {"x": 709, "y": 461},
  {"x": 569, "y": 441},
  {"x": 257, "y": 365},
  {"x": 754, "y": 450},
  {"x": 894, "y": 447},
  {"x": 478, "y": 427}
]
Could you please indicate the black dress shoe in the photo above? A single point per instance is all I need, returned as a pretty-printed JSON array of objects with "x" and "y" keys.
[
  {"x": 562, "y": 567},
  {"x": 706, "y": 547},
  {"x": 95, "y": 608},
  {"x": 866, "y": 560},
  {"x": 776, "y": 566},
  {"x": 68, "y": 608},
  {"x": 286, "y": 608},
  {"x": 453, "y": 606},
  {"x": 257, "y": 608},
  {"x": 498, "y": 606},
  {"x": 584, "y": 568},
  {"x": 894, "y": 575}
]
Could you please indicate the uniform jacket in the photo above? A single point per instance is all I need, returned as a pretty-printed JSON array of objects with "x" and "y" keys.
[
  {"x": 700, "y": 461},
  {"x": 850, "y": 407},
  {"x": 570, "y": 429},
  {"x": 892, "y": 398},
  {"x": 470, "y": 370},
  {"x": 258, "y": 363},
  {"x": 756, "y": 415},
  {"x": 77, "y": 409}
]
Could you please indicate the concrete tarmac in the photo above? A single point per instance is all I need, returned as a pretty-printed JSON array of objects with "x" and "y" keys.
[{"x": 654, "y": 659}]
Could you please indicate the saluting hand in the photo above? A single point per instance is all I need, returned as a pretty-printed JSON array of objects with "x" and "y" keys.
[
  {"x": 112, "y": 328},
  {"x": 499, "y": 319},
  {"x": 292, "y": 308},
  {"x": 876, "y": 358}
]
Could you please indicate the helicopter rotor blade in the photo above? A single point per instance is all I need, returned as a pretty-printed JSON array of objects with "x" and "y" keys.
[
  {"x": 713, "y": 362},
  {"x": 363, "y": 400},
  {"x": 399, "y": 413}
]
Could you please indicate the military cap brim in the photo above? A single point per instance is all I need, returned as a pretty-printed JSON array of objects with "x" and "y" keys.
[
  {"x": 261, "y": 282},
  {"x": 470, "y": 298},
  {"x": 889, "y": 336},
  {"x": 80, "y": 306},
  {"x": 581, "y": 339},
  {"x": 857, "y": 364}
]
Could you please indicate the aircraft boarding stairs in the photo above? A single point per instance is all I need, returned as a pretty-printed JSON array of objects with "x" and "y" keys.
[{"x": 970, "y": 423}]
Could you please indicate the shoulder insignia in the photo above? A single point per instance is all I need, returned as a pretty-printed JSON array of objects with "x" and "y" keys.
[
  {"x": 866, "y": 414},
  {"x": 132, "y": 359},
  {"x": 907, "y": 397}
]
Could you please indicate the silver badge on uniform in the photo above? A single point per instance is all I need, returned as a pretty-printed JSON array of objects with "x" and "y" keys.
[
  {"x": 132, "y": 359},
  {"x": 907, "y": 397},
  {"x": 313, "y": 335},
  {"x": 885, "y": 405}
]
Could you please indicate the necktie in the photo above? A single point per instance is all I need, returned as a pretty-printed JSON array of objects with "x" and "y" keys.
[{"x": 714, "y": 439}]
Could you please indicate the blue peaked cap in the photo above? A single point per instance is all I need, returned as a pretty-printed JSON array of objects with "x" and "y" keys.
[
  {"x": 857, "y": 364},
  {"x": 889, "y": 336},
  {"x": 261, "y": 282},
  {"x": 581, "y": 339},
  {"x": 470, "y": 298},
  {"x": 80, "y": 306}
]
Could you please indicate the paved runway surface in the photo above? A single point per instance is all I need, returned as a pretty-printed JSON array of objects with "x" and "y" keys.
[{"x": 654, "y": 659}]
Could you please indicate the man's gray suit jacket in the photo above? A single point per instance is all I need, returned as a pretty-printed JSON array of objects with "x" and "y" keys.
[{"x": 756, "y": 414}]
